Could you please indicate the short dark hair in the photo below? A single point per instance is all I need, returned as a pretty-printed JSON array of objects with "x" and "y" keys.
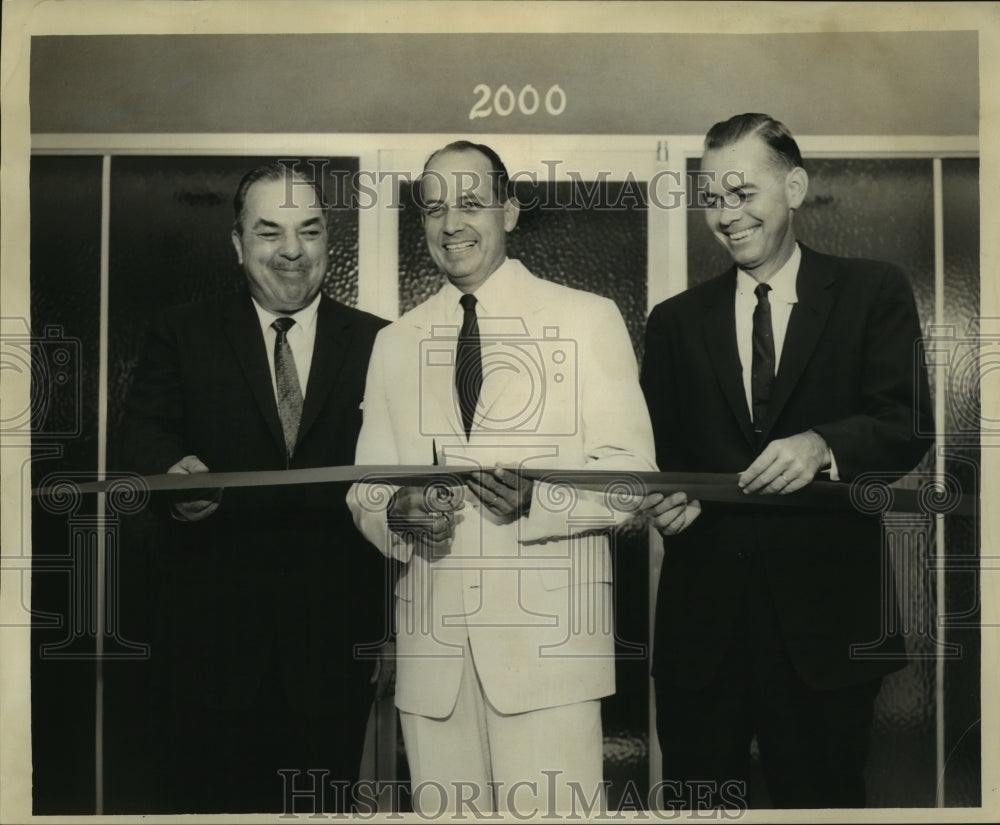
[
  {"x": 784, "y": 150},
  {"x": 502, "y": 187},
  {"x": 273, "y": 171}
]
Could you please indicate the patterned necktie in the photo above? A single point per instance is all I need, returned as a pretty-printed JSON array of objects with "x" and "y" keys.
[
  {"x": 468, "y": 363},
  {"x": 762, "y": 364},
  {"x": 287, "y": 379}
]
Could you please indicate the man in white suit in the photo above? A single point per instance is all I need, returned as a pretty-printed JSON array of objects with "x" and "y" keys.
[{"x": 503, "y": 609}]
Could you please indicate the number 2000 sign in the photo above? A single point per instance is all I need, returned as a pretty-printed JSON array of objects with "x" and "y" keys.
[{"x": 527, "y": 102}]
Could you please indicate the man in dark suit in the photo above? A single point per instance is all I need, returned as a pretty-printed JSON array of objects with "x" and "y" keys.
[
  {"x": 266, "y": 592},
  {"x": 792, "y": 365}
]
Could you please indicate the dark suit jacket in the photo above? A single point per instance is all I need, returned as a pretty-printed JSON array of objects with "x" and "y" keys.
[
  {"x": 277, "y": 580},
  {"x": 851, "y": 369}
]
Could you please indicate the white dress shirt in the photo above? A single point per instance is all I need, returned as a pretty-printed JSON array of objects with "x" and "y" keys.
[
  {"x": 493, "y": 297},
  {"x": 782, "y": 298},
  {"x": 301, "y": 339}
]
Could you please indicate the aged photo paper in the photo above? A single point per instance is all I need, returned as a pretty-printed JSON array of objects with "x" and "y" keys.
[{"x": 896, "y": 103}]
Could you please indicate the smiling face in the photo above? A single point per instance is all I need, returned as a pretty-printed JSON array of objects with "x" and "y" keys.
[
  {"x": 282, "y": 246},
  {"x": 465, "y": 224},
  {"x": 752, "y": 199}
]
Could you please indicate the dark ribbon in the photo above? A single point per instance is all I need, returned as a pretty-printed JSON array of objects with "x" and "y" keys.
[{"x": 868, "y": 494}]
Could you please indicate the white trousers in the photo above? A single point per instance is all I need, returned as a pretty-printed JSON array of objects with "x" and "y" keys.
[{"x": 478, "y": 761}]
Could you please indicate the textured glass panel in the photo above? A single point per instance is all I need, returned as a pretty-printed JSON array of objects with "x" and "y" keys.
[
  {"x": 65, "y": 312},
  {"x": 65, "y": 306},
  {"x": 962, "y": 734},
  {"x": 960, "y": 195},
  {"x": 901, "y": 763},
  {"x": 960, "y": 191},
  {"x": 626, "y": 714},
  {"x": 881, "y": 209},
  {"x": 601, "y": 249}
]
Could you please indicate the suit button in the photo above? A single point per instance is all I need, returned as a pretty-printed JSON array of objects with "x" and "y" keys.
[{"x": 742, "y": 555}]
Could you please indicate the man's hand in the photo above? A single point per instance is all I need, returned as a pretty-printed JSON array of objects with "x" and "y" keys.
[
  {"x": 669, "y": 514},
  {"x": 503, "y": 492},
  {"x": 201, "y": 508},
  {"x": 786, "y": 465},
  {"x": 426, "y": 513}
]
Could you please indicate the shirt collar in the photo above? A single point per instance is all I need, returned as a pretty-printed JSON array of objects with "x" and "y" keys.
[
  {"x": 492, "y": 294},
  {"x": 305, "y": 317},
  {"x": 782, "y": 282}
]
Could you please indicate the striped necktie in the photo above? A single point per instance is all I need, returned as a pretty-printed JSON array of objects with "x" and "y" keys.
[{"x": 287, "y": 380}]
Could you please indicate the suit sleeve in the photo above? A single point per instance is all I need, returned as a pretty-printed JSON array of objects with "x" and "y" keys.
[
  {"x": 656, "y": 380},
  {"x": 613, "y": 421},
  {"x": 152, "y": 432},
  {"x": 377, "y": 445},
  {"x": 887, "y": 434}
]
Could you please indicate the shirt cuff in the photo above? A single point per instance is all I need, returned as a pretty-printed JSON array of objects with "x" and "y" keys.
[{"x": 832, "y": 470}]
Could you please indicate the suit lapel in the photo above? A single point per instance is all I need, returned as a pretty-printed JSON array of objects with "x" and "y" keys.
[
  {"x": 720, "y": 341},
  {"x": 805, "y": 325},
  {"x": 329, "y": 355},
  {"x": 508, "y": 378},
  {"x": 501, "y": 368},
  {"x": 433, "y": 355},
  {"x": 242, "y": 327}
]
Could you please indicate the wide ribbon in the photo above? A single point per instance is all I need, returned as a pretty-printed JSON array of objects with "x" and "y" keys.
[{"x": 869, "y": 493}]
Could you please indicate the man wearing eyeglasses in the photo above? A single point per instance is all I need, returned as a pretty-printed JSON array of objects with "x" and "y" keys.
[
  {"x": 503, "y": 610},
  {"x": 774, "y": 622}
]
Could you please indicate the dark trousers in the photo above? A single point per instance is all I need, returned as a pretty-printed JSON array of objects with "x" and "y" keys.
[
  {"x": 228, "y": 761},
  {"x": 813, "y": 743}
]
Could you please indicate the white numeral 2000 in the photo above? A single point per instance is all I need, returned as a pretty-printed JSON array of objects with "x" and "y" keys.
[{"x": 527, "y": 102}]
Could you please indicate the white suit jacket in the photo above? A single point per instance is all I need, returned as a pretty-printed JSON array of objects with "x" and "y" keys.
[{"x": 532, "y": 599}]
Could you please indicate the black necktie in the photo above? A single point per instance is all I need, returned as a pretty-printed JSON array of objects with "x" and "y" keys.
[
  {"x": 468, "y": 363},
  {"x": 762, "y": 364},
  {"x": 287, "y": 380}
]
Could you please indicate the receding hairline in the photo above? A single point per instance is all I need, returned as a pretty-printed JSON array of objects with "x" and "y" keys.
[
  {"x": 278, "y": 173},
  {"x": 496, "y": 170},
  {"x": 305, "y": 186},
  {"x": 491, "y": 173}
]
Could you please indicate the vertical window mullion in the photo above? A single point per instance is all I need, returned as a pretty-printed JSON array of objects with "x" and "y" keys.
[
  {"x": 102, "y": 462},
  {"x": 939, "y": 468}
]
